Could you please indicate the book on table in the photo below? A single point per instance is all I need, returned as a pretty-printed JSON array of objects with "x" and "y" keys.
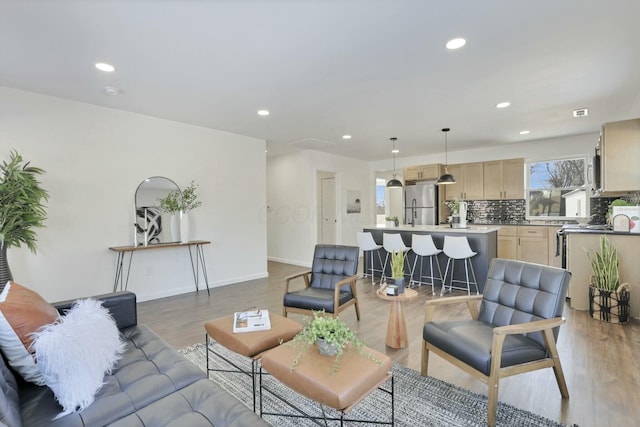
[{"x": 250, "y": 321}]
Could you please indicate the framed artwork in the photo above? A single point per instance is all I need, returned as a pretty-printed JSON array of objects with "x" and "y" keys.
[
  {"x": 353, "y": 201},
  {"x": 148, "y": 218}
]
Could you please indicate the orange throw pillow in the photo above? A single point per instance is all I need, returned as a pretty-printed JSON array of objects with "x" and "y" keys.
[{"x": 23, "y": 312}]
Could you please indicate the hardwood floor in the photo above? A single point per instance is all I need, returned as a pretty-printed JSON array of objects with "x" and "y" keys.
[{"x": 601, "y": 361}]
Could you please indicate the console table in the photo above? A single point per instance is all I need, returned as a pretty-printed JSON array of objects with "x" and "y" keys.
[{"x": 123, "y": 250}]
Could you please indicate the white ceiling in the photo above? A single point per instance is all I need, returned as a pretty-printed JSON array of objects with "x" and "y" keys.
[{"x": 374, "y": 69}]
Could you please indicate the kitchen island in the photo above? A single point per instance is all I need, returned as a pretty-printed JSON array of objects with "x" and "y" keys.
[{"x": 483, "y": 239}]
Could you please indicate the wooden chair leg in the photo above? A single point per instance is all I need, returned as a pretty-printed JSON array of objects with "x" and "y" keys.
[
  {"x": 492, "y": 405},
  {"x": 357, "y": 306},
  {"x": 494, "y": 378},
  {"x": 284, "y": 312},
  {"x": 557, "y": 366},
  {"x": 424, "y": 368}
]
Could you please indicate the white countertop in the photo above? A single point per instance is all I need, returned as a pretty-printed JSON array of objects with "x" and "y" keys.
[{"x": 471, "y": 229}]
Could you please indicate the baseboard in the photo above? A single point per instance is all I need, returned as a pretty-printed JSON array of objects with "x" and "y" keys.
[{"x": 290, "y": 261}]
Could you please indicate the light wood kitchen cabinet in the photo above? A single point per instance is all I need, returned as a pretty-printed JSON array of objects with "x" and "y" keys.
[
  {"x": 533, "y": 244},
  {"x": 619, "y": 154},
  {"x": 508, "y": 242},
  {"x": 528, "y": 243},
  {"x": 554, "y": 261},
  {"x": 504, "y": 179},
  {"x": 469, "y": 181},
  {"x": 422, "y": 172}
]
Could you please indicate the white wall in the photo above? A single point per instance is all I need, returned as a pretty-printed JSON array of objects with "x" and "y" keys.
[
  {"x": 94, "y": 159},
  {"x": 293, "y": 203}
]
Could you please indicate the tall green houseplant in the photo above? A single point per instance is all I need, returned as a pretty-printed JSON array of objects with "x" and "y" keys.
[
  {"x": 21, "y": 208},
  {"x": 608, "y": 299}
]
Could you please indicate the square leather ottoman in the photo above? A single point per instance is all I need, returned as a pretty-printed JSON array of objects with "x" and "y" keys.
[
  {"x": 249, "y": 344},
  {"x": 355, "y": 379}
]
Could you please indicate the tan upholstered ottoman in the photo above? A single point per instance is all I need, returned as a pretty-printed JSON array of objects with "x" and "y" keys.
[
  {"x": 356, "y": 378},
  {"x": 249, "y": 344}
]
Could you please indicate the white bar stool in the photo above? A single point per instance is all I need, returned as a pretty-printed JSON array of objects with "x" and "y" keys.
[
  {"x": 457, "y": 248},
  {"x": 392, "y": 242},
  {"x": 367, "y": 244},
  {"x": 422, "y": 245}
]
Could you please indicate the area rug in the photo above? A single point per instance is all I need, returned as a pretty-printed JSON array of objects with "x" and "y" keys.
[{"x": 419, "y": 401}]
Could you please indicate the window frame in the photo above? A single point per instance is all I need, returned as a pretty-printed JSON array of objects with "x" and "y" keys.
[{"x": 585, "y": 186}]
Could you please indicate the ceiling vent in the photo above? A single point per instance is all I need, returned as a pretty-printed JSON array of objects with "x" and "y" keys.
[
  {"x": 312, "y": 143},
  {"x": 581, "y": 112}
]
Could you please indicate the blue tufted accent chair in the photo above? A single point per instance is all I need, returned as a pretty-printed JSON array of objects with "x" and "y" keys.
[
  {"x": 514, "y": 331},
  {"x": 329, "y": 286}
]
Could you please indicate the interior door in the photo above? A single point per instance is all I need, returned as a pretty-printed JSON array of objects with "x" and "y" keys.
[{"x": 328, "y": 209}]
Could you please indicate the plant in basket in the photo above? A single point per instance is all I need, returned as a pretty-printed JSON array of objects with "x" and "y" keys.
[{"x": 608, "y": 299}]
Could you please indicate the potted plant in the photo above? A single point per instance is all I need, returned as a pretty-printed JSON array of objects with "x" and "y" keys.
[
  {"x": 392, "y": 221},
  {"x": 181, "y": 202},
  {"x": 608, "y": 299},
  {"x": 21, "y": 208},
  {"x": 454, "y": 207},
  {"x": 331, "y": 336},
  {"x": 397, "y": 269}
]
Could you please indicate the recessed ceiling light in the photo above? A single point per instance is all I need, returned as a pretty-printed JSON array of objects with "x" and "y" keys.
[
  {"x": 456, "y": 43},
  {"x": 525, "y": 132},
  {"x": 107, "y": 68},
  {"x": 346, "y": 136},
  {"x": 263, "y": 112},
  {"x": 503, "y": 104}
]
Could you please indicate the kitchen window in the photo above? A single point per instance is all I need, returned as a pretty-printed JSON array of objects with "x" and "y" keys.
[{"x": 556, "y": 189}]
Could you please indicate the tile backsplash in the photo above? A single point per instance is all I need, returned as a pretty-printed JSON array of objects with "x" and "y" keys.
[
  {"x": 600, "y": 205},
  {"x": 513, "y": 211},
  {"x": 491, "y": 211}
]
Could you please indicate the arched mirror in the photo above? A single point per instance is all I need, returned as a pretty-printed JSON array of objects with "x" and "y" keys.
[{"x": 153, "y": 226}]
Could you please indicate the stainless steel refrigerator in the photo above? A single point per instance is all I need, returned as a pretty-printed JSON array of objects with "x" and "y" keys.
[{"x": 421, "y": 204}]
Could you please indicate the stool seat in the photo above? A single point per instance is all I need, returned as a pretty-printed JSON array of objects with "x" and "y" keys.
[
  {"x": 458, "y": 248},
  {"x": 423, "y": 246},
  {"x": 367, "y": 244}
]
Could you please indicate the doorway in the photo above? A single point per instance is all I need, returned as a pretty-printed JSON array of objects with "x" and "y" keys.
[{"x": 327, "y": 221}]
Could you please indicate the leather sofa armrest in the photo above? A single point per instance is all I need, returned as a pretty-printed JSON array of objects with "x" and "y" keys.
[
  {"x": 121, "y": 305},
  {"x": 471, "y": 301}
]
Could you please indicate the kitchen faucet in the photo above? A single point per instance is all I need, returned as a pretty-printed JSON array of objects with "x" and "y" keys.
[{"x": 413, "y": 213}]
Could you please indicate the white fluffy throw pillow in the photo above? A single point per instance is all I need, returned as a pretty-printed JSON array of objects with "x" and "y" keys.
[{"x": 75, "y": 353}]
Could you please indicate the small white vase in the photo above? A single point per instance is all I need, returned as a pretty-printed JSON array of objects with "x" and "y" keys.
[
  {"x": 184, "y": 227},
  {"x": 175, "y": 227}
]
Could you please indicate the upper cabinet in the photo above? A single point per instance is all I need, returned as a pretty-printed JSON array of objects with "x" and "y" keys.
[
  {"x": 504, "y": 179},
  {"x": 619, "y": 154},
  {"x": 423, "y": 172},
  {"x": 469, "y": 182}
]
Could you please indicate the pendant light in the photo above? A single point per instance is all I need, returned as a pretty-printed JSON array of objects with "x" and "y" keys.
[
  {"x": 394, "y": 182},
  {"x": 447, "y": 178}
]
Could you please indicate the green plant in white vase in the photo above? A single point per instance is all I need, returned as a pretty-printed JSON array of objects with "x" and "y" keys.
[{"x": 182, "y": 202}]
